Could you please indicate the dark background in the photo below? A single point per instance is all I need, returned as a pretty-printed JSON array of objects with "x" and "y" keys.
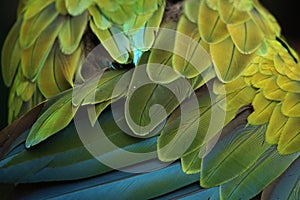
[{"x": 285, "y": 12}]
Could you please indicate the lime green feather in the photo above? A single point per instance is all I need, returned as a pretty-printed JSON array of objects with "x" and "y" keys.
[
  {"x": 33, "y": 7},
  {"x": 191, "y": 10},
  {"x": 77, "y": 7},
  {"x": 57, "y": 114},
  {"x": 98, "y": 18}
]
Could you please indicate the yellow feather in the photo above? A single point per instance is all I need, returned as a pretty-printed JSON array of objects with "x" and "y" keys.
[
  {"x": 276, "y": 125},
  {"x": 46, "y": 79},
  {"x": 190, "y": 58},
  {"x": 60, "y": 6},
  {"x": 32, "y": 28},
  {"x": 289, "y": 141},
  {"x": 262, "y": 110},
  {"x": 264, "y": 21},
  {"x": 246, "y": 36},
  {"x": 291, "y": 105},
  {"x": 215, "y": 31},
  {"x": 191, "y": 9},
  {"x": 228, "y": 61},
  {"x": 287, "y": 84},
  {"x": 230, "y": 14},
  {"x": 273, "y": 92},
  {"x": 239, "y": 98}
]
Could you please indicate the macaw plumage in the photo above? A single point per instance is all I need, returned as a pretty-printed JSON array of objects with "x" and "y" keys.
[{"x": 149, "y": 99}]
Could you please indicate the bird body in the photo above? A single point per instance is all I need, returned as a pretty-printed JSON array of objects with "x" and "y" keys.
[{"x": 150, "y": 99}]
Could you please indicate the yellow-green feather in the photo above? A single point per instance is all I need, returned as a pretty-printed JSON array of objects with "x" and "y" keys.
[
  {"x": 34, "y": 57},
  {"x": 72, "y": 31},
  {"x": 215, "y": 31},
  {"x": 11, "y": 54}
]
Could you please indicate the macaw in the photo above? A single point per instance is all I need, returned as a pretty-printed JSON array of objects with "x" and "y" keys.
[{"x": 155, "y": 99}]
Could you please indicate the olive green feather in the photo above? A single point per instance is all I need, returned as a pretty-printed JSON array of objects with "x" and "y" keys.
[
  {"x": 71, "y": 32},
  {"x": 34, "y": 57},
  {"x": 11, "y": 54}
]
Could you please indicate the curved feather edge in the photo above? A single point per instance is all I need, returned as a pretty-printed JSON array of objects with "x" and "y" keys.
[
  {"x": 258, "y": 176},
  {"x": 131, "y": 186},
  {"x": 287, "y": 186}
]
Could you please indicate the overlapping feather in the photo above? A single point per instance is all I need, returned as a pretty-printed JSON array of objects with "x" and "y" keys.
[
  {"x": 248, "y": 56},
  {"x": 59, "y": 26}
]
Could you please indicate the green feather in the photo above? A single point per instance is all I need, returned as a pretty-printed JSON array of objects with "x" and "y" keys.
[
  {"x": 190, "y": 58},
  {"x": 32, "y": 28},
  {"x": 11, "y": 54},
  {"x": 98, "y": 18},
  {"x": 46, "y": 80},
  {"x": 141, "y": 114},
  {"x": 60, "y": 6},
  {"x": 263, "y": 21},
  {"x": 35, "y": 56},
  {"x": 191, "y": 163},
  {"x": 287, "y": 84},
  {"x": 68, "y": 65},
  {"x": 77, "y": 7},
  {"x": 191, "y": 10},
  {"x": 56, "y": 116},
  {"x": 112, "y": 84},
  {"x": 144, "y": 38},
  {"x": 276, "y": 124},
  {"x": 180, "y": 138},
  {"x": 32, "y": 8},
  {"x": 286, "y": 186},
  {"x": 230, "y": 157},
  {"x": 273, "y": 92},
  {"x": 72, "y": 32},
  {"x": 159, "y": 65},
  {"x": 256, "y": 177},
  {"x": 114, "y": 41}
]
